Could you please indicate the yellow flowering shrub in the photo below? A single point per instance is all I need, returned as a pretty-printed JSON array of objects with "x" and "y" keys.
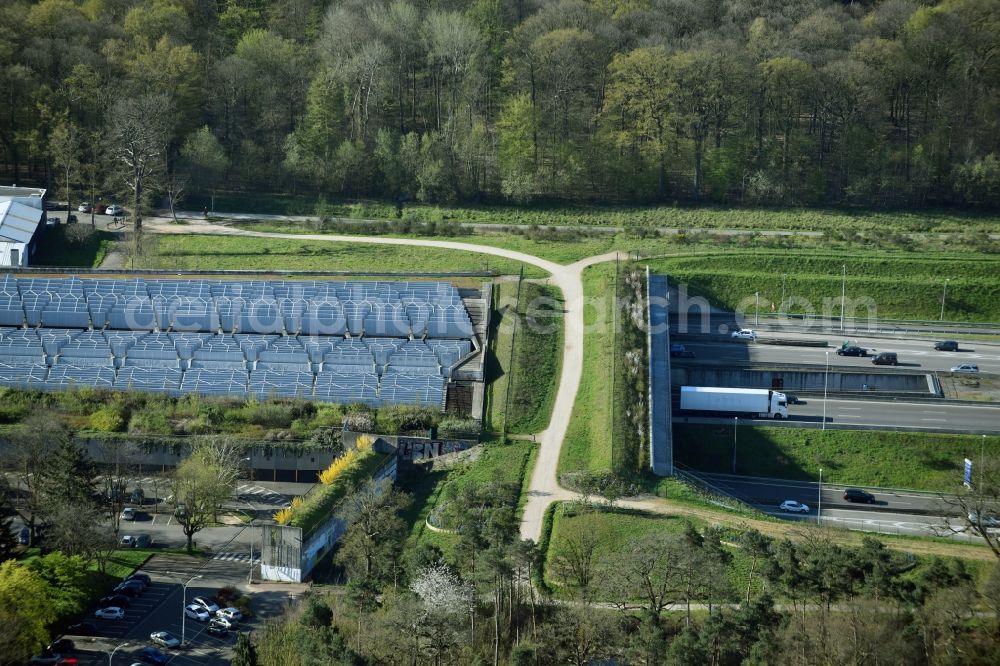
[
  {"x": 283, "y": 516},
  {"x": 337, "y": 467},
  {"x": 364, "y": 442}
]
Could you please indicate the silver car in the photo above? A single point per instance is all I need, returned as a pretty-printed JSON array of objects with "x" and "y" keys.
[{"x": 970, "y": 368}]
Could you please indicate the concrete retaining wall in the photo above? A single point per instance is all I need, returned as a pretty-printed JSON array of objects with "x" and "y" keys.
[{"x": 805, "y": 380}]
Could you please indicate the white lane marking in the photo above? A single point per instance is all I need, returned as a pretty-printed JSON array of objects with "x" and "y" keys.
[
  {"x": 941, "y": 420},
  {"x": 851, "y": 408}
]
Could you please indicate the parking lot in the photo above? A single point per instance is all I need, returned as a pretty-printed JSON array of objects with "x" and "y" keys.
[{"x": 160, "y": 608}]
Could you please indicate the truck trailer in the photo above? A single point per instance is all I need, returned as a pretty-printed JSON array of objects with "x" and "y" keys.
[{"x": 755, "y": 403}]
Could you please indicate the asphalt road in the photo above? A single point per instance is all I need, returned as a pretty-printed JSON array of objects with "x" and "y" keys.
[
  {"x": 933, "y": 416},
  {"x": 913, "y": 354},
  {"x": 894, "y": 511}
]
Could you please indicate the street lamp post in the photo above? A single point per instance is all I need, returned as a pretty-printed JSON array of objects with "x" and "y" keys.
[
  {"x": 184, "y": 587},
  {"x": 826, "y": 381},
  {"x": 736, "y": 423},
  {"x": 944, "y": 295},
  {"x": 111, "y": 655},
  {"x": 843, "y": 296},
  {"x": 819, "y": 496}
]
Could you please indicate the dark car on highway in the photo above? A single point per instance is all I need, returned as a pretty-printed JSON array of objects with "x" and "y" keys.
[
  {"x": 885, "y": 358},
  {"x": 946, "y": 345},
  {"x": 858, "y": 495},
  {"x": 680, "y": 351},
  {"x": 853, "y": 350}
]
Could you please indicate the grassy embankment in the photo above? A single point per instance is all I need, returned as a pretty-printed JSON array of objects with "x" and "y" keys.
[
  {"x": 532, "y": 378},
  {"x": 203, "y": 252},
  {"x": 492, "y": 461},
  {"x": 617, "y": 528},
  {"x": 614, "y": 216},
  {"x": 920, "y": 461},
  {"x": 900, "y": 286},
  {"x": 587, "y": 446},
  {"x": 566, "y": 245}
]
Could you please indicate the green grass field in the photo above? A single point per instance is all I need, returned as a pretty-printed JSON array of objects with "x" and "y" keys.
[
  {"x": 537, "y": 359},
  {"x": 920, "y": 461},
  {"x": 903, "y": 286},
  {"x": 506, "y": 462},
  {"x": 204, "y": 252},
  {"x": 588, "y": 440}
]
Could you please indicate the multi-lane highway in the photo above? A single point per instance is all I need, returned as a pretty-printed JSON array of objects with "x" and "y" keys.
[
  {"x": 893, "y": 512},
  {"x": 939, "y": 416},
  {"x": 913, "y": 354}
]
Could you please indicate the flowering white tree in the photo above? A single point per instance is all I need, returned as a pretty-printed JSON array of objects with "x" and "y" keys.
[{"x": 447, "y": 603}]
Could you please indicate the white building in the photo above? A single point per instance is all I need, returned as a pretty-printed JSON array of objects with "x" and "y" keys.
[{"x": 22, "y": 214}]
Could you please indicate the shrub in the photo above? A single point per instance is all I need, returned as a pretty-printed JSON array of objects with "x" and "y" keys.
[
  {"x": 150, "y": 421},
  {"x": 456, "y": 425},
  {"x": 329, "y": 416},
  {"x": 323, "y": 500},
  {"x": 273, "y": 415},
  {"x": 337, "y": 467},
  {"x": 283, "y": 516},
  {"x": 360, "y": 421},
  {"x": 107, "y": 419},
  {"x": 364, "y": 443}
]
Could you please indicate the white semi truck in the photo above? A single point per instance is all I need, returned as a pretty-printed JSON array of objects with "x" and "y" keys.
[{"x": 756, "y": 403}]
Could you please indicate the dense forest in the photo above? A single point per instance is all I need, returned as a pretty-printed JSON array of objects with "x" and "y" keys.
[{"x": 878, "y": 103}]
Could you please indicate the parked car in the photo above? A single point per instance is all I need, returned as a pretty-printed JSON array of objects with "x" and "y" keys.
[
  {"x": 142, "y": 541},
  {"x": 946, "y": 345},
  {"x": 885, "y": 358},
  {"x": 152, "y": 655},
  {"x": 24, "y": 536},
  {"x": 81, "y": 629},
  {"x": 230, "y": 613},
  {"x": 53, "y": 222},
  {"x": 114, "y": 209},
  {"x": 127, "y": 541},
  {"x": 141, "y": 577},
  {"x": 216, "y": 629},
  {"x": 225, "y": 622},
  {"x": 111, "y": 613},
  {"x": 164, "y": 639},
  {"x": 129, "y": 588},
  {"x": 138, "y": 496},
  {"x": 111, "y": 600},
  {"x": 100, "y": 208},
  {"x": 128, "y": 513},
  {"x": 969, "y": 368},
  {"x": 196, "y": 613},
  {"x": 84, "y": 207},
  {"x": 62, "y": 645},
  {"x": 852, "y": 350},
  {"x": 51, "y": 659},
  {"x": 794, "y": 507},
  {"x": 858, "y": 495},
  {"x": 744, "y": 334},
  {"x": 208, "y": 603},
  {"x": 680, "y": 351}
]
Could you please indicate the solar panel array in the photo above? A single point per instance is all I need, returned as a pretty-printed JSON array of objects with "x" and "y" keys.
[{"x": 370, "y": 342}]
